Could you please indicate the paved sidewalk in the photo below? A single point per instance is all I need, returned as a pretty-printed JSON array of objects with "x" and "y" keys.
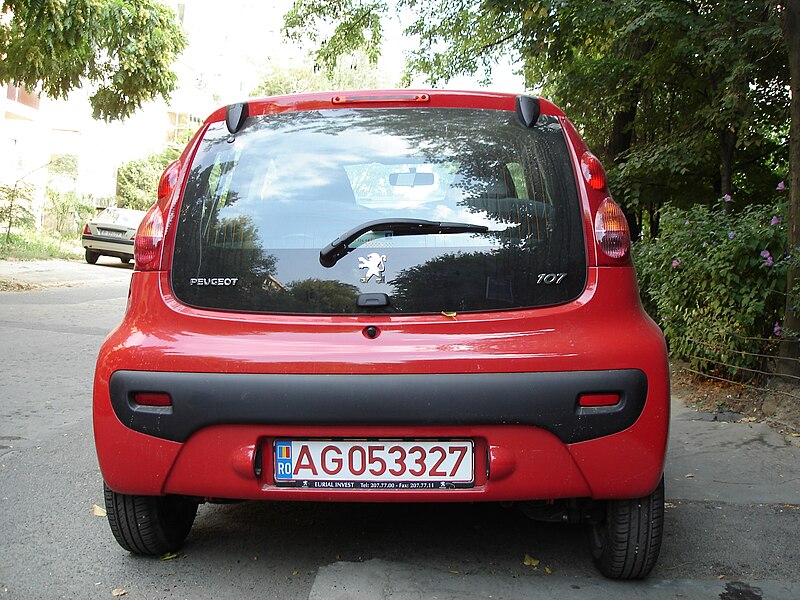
[{"x": 20, "y": 275}]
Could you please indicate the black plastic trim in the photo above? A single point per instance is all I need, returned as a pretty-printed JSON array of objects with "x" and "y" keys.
[
  {"x": 546, "y": 400},
  {"x": 528, "y": 110}
]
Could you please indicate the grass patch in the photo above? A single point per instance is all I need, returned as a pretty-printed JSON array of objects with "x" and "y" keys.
[{"x": 35, "y": 245}]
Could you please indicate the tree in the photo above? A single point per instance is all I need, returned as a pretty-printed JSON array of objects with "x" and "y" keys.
[
  {"x": 15, "y": 204},
  {"x": 123, "y": 48},
  {"x": 351, "y": 72},
  {"x": 670, "y": 92},
  {"x": 137, "y": 180},
  {"x": 790, "y": 346}
]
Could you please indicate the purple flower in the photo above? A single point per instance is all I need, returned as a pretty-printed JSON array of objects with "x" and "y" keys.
[
  {"x": 781, "y": 186},
  {"x": 777, "y": 329},
  {"x": 675, "y": 263},
  {"x": 765, "y": 254},
  {"x": 727, "y": 198},
  {"x": 691, "y": 233},
  {"x": 768, "y": 261},
  {"x": 731, "y": 235},
  {"x": 775, "y": 220}
]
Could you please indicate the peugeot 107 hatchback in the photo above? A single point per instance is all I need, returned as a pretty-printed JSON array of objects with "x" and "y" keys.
[{"x": 399, "y": 296}]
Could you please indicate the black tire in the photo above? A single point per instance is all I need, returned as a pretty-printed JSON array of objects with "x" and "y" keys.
[
  {"x": 91, "y": 257},
  {"x": 626, "y": 543},
  {"x": 125, "y": 261},
  {"x": 151, "y": 525}
]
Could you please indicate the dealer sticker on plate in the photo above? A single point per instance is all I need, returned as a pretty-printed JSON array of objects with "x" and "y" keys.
[{"x": 374, "y": 464}]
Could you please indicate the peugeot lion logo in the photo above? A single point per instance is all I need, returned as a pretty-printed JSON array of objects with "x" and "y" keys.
[{"x": 374, "y": 264}]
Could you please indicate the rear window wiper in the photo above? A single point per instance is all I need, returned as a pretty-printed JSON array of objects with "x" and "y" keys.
[{"x": 340, "y": 247}]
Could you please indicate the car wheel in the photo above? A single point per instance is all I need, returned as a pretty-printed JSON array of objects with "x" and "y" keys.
[
  {"x": 626, "y": 543},
  {"x": 149, "y": 524},
  {"x": 91, "y": 257}
]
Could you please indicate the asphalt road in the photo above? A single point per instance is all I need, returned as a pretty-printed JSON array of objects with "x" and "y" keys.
[{"x": 732, "y": 523}]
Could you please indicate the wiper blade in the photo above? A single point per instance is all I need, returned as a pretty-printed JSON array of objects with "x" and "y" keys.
[{"x": 340, "y": 247}]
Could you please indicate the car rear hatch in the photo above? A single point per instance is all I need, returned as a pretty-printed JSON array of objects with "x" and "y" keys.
[{"x": 390, "y": 209}]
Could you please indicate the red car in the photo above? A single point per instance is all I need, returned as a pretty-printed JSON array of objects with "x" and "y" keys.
[{"x": 386, "y": 297}]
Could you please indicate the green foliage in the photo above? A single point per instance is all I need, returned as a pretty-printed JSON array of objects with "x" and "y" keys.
[
  {"x": 122, "y": 48},
  {"x": 658, "y": 87},
  {"x": 30, "y": 244},
  {"x": 351, "y": 72},
  {"x": 67, "y": 211},
  {"x": 15, "y": 202},
  {"x": 137, "y": 180},
  {"x": 715, "y": 282},
  {"x": 355, "y": 26}
]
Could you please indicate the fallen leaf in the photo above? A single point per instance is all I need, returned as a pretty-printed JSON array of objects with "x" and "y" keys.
[
  {"x": 98, "y": 511},
  {"x": 720, "y": 577},
  {"x": 450, "y": 315},
  {"x": 294, "y": 573},
  {"x": 689, "y": 475},
  {"x": 530, "y": 561},
  {"x": 668, "y": 505},
  {"x": 119, "y": 592},
  {"x": 454, "y": 572},
  {"x": 169, "y": 556},
  {"x": 548, "y": 570}
]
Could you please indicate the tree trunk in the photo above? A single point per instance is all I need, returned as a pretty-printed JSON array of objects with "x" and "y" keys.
[
  {"x": 727, "y": 146},
  {"x": 790, "y": 347}
]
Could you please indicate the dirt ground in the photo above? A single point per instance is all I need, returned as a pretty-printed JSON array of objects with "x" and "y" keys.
[{"x": 778, "y": 404}]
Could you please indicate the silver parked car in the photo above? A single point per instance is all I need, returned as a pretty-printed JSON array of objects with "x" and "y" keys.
[{"x": 111, "y": 233}]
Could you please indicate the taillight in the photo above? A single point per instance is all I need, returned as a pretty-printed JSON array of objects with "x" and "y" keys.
[
  {"x": 593, "y": 171},
  {"x": 611, "y": 229},
  {"x": 150, "y": 235},
  {"x": 147, "y": 243},
  {"x": 86, "y": 230},
  {"x": 169, "y": 178}
]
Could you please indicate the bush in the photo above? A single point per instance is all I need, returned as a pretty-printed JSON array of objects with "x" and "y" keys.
[{"x": 715, "y": 282}]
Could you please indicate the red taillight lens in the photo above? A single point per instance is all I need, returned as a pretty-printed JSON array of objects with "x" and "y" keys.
[
  {"x": 86, "y": 230},
  {"x": 152, "y": 399},
  {"x": 168, "y": 179},
  {"x": 592, "y": 400},
  {"x": 147, "y": 243},
  {"x": 593, "y": 171},
  {"x": 611, "y": 229}
]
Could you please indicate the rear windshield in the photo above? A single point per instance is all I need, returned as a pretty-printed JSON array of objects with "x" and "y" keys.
[{"x": 258, "y": 209}]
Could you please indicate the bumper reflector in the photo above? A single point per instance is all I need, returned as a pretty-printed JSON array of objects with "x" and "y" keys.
[
  {"x": 152, "y": 399},
  {"x": 589, "y": 400}
]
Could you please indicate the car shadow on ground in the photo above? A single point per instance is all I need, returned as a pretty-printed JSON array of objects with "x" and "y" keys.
[
  {"x": 113, "y": 263},
  {"x": 463, "y": 538}
]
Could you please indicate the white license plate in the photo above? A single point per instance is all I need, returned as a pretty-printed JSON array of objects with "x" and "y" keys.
[
  {"x": 374, "y": 464},
  {"x": 111, "y": 233}
]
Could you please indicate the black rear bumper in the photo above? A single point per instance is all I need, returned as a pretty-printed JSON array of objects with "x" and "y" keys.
[{"x": 545, "y": 400}]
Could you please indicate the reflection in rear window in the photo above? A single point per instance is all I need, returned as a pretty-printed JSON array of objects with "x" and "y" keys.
[{"x": 257, "y": 210}]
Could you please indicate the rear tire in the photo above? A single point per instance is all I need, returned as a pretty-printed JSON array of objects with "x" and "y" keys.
[
  {"x": 91, "y": 257},
  {"x": 626, "y": 543},
  {"x": 151, "y": 525}
]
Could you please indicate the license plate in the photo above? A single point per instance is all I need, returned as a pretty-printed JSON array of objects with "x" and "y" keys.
[
  {"x": 111, "y": 233},
  {"x": 375, "y": 464}
]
